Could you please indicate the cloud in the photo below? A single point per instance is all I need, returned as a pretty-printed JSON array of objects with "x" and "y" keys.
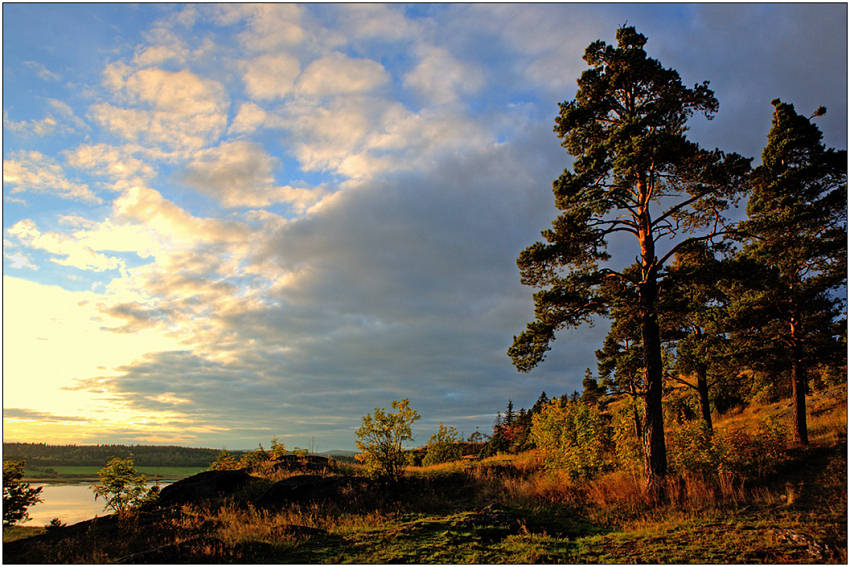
[
  {"x": 362, "y": 136},
  {"x": 148, "y": 206},
  {"x": 115, "y": 162},
  {"x": 249, "y": 118},
  {"x": 59, "y": 120},
  {"x": 241, "y": 174},
  {"x": 178, "y": 110},
  {"x": 377, "y": 21},
  {"x": 337, "y": 74},
  {"x": 163, "y": 45},
  {"x": 32, "y": 171},
  {"x": 236, "y": 174},
  {"x": 69, "y": 250},
  {"x": 269, "y": 26},
  {"x": 441, "y": 78},
  {"x": 405, "y": 281},
  {"x": 18, "y": 260},
  {"x": 270, "y": 76},
  {"x": 42, "y": 71},
  {"x": 40, "y": 416}
]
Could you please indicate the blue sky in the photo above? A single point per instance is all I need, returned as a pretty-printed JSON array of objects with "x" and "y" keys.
[{"x": 225, "y": 223}]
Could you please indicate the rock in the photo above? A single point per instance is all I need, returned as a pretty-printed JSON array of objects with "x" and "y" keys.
[
  {"x": 209, "y": 485},
  {"x": 304, "y": 488}
]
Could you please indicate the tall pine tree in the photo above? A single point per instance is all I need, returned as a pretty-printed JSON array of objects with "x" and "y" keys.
[
  {"x": 634, "y": 173},
  {"x": 796, "y": 228}
]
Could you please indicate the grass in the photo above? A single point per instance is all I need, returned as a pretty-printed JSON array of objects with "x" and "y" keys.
[
  {"x": 509, "y": 509},
  {"x": 13, "y": 533}
]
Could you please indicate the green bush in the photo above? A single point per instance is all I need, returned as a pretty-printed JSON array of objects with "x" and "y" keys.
[
  {"x": 628, "y": 453},
  {"x": 746, "y": 455},
  {"x": 121, "y": 486},
  {"x": 573, "y": 436},
  {"x": 380, "y": 438},
  {"x": 692, "y": 448},
  {"x": 17, "y": 495},
  {"x": 443, "y": 446}
]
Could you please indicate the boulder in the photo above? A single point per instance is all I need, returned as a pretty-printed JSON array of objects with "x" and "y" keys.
[{"x": 209, "y": 485}]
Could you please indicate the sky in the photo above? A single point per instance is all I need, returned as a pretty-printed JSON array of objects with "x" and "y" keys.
[{"x": 224, "y": 223}]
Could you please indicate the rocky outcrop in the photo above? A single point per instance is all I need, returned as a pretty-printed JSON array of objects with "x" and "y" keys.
[
  {"x": 205, "y": 486},
  {"x": 308, "y": 488}
]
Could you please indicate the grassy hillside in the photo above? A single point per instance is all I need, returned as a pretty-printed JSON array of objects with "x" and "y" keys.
[{"x": 510, "y": 509}]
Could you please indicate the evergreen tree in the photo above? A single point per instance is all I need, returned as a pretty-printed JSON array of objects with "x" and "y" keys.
[
  {"x": 635, "y": 173},
  {"x": 541, "y": 402},
  {"x": 797, "y": 228},
  {"x": 695, "y": 310},
  {"x": 591, "y": 391}
]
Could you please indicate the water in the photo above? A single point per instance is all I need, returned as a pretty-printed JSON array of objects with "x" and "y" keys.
[{"x": 71, "y": 503}]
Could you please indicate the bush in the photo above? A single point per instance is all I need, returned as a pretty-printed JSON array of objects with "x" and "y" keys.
[
  {"x": 628, "y": 452},
  {"x": 755, "y": 456},
  {"x": 121, "y": 486},
  {"x": 17, "y": 495},
  {"x": 692, "y": 448},
  {"x": 443, "y": 446},
  {"x": 225, "y": 461},
  {"x": 380, "y": 437},
  {"x": 572, "y": 436}
]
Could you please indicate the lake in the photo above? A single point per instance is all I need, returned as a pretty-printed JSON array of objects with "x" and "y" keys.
[{"x": 71, "y": 503}]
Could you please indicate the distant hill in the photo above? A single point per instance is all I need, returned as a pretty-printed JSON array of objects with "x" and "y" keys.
[
  {"x": 339, "y": 455},
  {"x": 44, "y": 455}
]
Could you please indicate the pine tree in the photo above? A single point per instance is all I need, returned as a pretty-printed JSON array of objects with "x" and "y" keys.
[
  {"x": 634, "y": 173},
  {"x": 796, "y": 228}
]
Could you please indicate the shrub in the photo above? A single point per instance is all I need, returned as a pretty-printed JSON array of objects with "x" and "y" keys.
[
  {"x": 755, "y": 456},
  {"x": 225, "y": 461},
  {"x": 692, "y": 448},
  {"x": 380, "y": 439},
  {"x": 17, "y": 495},
  {"x": 628, "y": 453},
  {"x": 443, "y": 446},
  {"x": 121, "y": 486},
  {"x": 572, "y": 436}
]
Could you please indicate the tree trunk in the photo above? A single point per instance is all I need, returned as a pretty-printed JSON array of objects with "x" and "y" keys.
[
  {"x": 702, "y": 390},
  {"x": 655, "y": 451},
  {"x": 798, "y": 377}
]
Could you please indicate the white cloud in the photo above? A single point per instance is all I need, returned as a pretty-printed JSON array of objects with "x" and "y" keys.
[
  {"x": 70, "y": 251},
  {"x": 377, "y": 21},
  {"x": 269, "y": 26},
  {"x": 116, "y": 162},
  {"x": 46, "y": 125},
  {"x": 31, "y": 171},
  {"x": 19, "y": 260},
  {"x": 338, "y": 74},
  {"x": 270, "y": 76},
  {"x": 60, "y": 119},
  {"x": 441, "y": 78},
  {"x": 180, "y": 110},
  {"x": 248, "y": 119},
  {"x": 164, "y": 44}
]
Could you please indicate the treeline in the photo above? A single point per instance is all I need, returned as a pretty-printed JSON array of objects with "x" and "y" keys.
[{"x": 43, "y": 455}]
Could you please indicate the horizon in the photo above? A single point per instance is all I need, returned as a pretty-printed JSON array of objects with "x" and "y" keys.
[{"x": 229, "y": 223}]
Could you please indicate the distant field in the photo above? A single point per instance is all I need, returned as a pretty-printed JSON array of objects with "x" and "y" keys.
[{"x": 90, "y": 472}]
